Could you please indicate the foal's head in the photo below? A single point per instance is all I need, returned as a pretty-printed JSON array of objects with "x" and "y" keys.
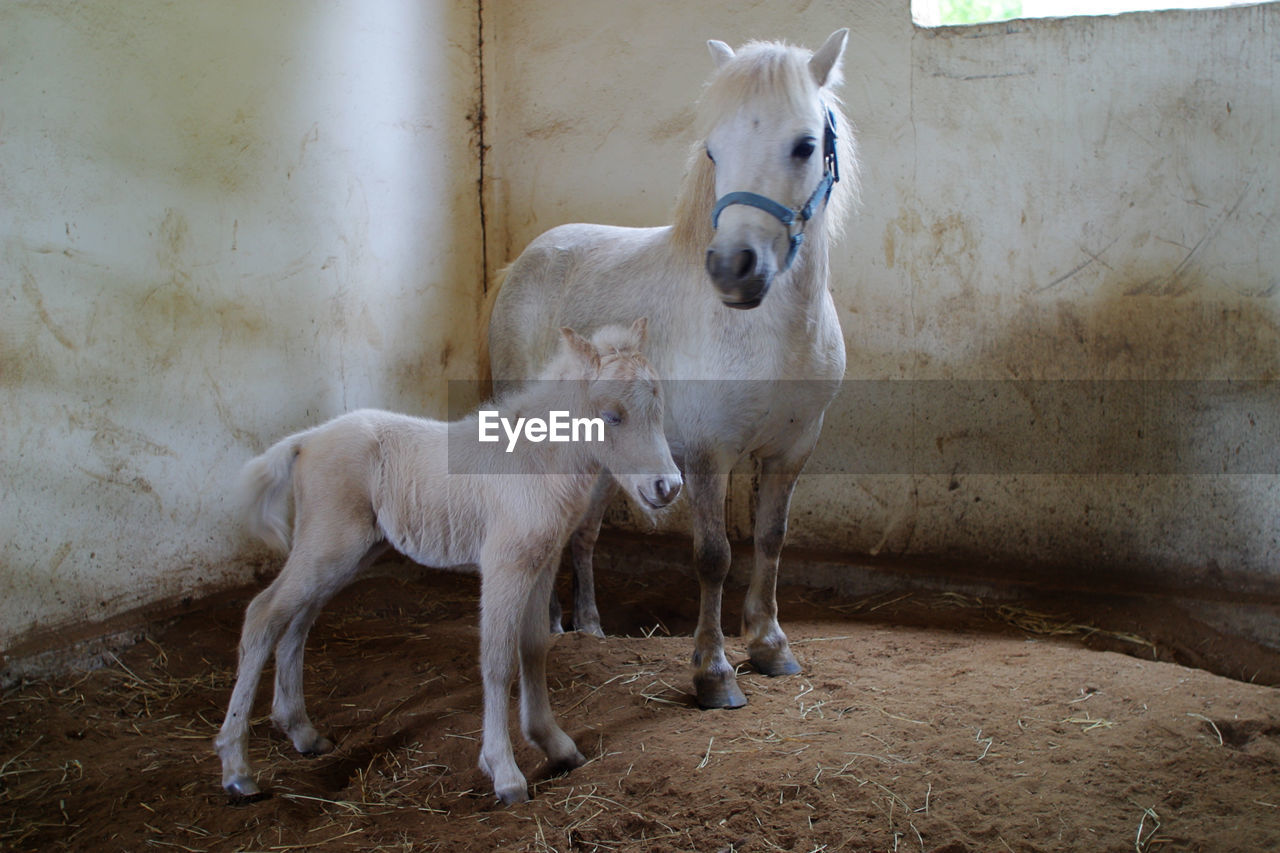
[
  {"x": 772, "y": 133},
  {"x": 622, "y": 390}
]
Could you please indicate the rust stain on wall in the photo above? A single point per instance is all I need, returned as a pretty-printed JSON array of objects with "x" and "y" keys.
[{"x": 32, "y": 291}]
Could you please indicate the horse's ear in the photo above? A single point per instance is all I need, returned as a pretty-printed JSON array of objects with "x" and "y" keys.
[
  {"x": 580, "y": 346},
  {"x": 639, "y": 329},
  {"x": 825, "y": 64},
  {"x": 721, "y": 53}
]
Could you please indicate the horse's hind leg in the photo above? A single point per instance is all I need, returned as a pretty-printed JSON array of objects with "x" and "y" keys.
[
  {"x": 263, "y": 623},
  {"x": 582, "y": 546},
  {"x": 536, "y": 718},
  {"x": 766, "y": 643},
  {"x": 279, "y": 617},
  {"x": 288, "y": 707},
  {"x": 714, "y": 682}
]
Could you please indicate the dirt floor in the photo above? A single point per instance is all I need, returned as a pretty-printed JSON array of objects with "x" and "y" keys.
[{"x": 929, "y": 722}]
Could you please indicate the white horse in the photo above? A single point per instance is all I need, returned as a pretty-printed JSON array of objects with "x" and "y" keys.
[
  {"x": 758, "y": 208},
  {"x": 370, "y": 480}
]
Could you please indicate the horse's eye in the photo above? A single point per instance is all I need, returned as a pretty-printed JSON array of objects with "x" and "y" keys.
[
  {"x": 610, "y": 417},
  {"x": 709, "y": 157},
  {"x": 804, "y": 149}
]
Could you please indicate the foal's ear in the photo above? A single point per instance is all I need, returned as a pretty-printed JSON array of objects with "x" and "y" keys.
[
  {"x": 639, "y": 330},
  {"x": 581, "y": 347},
  {"x": 721, "y": 53},
  {"x": 825, "y": 64}
]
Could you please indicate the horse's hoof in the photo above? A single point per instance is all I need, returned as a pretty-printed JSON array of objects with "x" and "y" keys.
[
  {"x": 242, "y": 789},
  {"x": 514, "y": 795},
  {"x": 591, "y": 628},
  {"x": 561, "y": 766},
  {"x": 724, "y": 692},
  {"x": 320, "y": 746},
  {"x": 774, "y": 662}
]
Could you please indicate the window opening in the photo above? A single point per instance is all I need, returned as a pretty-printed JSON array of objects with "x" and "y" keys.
[{"x": 950, "y": 13}]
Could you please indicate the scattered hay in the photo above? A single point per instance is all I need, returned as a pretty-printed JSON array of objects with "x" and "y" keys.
[
  {"x": 1211, "y": 724},
  {"x": 1037, "y": 623},
  {"x": 1142, "y": 843},
  {"x": 1088, "y": 722}
]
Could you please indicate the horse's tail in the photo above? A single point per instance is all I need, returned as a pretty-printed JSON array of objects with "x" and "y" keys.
[
  {"x": 482, "y": 331},
  {"x": 265, "y": 484}
]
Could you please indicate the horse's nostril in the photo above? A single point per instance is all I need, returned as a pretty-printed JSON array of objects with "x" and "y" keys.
[
  {"x": 666, "y": 490},
  {"x": 744, "y": 264}
]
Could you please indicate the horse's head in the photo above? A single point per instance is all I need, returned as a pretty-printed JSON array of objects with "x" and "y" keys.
[
  {"x": 770, "y": 131},
  {"x": 623, "y": 391}
]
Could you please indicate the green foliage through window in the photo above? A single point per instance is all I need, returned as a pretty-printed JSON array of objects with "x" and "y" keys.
[{"x": 954, "y": 12}]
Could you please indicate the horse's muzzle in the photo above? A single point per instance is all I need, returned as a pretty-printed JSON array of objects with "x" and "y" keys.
[
  {"x": 664, "y": 491},
  {"x": 739, "y": 276}
]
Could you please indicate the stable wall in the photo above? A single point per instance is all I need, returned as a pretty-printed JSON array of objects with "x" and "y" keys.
[
  {"x": 1090, "y": 198},
  {"x": 223, "y": 222},
  {"x": 219, "y": 223}
]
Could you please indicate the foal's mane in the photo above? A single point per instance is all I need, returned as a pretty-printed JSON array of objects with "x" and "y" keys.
[
  {"x": 617, "y": 353},
  {"x": 759, "y": 70}
]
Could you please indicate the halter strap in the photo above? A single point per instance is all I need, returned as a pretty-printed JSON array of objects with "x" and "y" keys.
[{"x": 795, "y": 219}]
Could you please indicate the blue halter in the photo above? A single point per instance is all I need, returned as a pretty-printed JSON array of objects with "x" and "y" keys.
[{"x": 795, "y": 219}]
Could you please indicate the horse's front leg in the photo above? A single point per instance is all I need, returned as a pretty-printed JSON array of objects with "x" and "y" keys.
[
  {"x": 582, "y": 545},
  {"x": 507, "y": 583},
  {"x": 536, "y": 718},
  {"x": 714, "y": 682},
  {"x": 766, "y": 643}
]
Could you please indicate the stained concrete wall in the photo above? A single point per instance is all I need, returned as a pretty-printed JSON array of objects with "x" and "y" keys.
[
  {"x": 1089, "y": 198},
  {"x": 219, "y": 223},
  {"x": 223, "y": 222}
]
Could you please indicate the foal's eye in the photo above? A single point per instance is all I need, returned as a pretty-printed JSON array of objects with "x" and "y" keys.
[
  {"x": 611, "y": 418},
  {"x": 804, "y": 149}
]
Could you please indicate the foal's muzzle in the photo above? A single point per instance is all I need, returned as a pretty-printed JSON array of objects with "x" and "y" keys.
[
  {"x": 740, "y": 276},
  {"x": 662, "y": 491}
]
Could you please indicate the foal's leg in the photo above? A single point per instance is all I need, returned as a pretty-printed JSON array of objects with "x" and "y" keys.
[
  {"x": 309, "y": 578},
  {"x": 288, "y": 708},
  {"x": 507, "y": 582},
  {"x": 714, "y": 682},
  {"x": 766, "y": 644},
  {"x": 262, "y": 624},
  {"x": 536, "y": 718},
  {"x": 582, "y": 545}
]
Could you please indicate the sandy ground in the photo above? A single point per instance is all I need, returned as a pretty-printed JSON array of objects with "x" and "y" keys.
[{"x": 927, "y": 722}]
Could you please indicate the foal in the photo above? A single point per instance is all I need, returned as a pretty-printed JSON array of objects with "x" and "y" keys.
[{"x": 370, "y": 480}]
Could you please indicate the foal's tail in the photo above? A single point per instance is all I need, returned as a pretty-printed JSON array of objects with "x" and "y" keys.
[{"x": 265, "y": 484}]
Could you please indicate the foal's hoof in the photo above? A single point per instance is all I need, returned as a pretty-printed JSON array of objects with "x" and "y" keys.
[
  {"x": 320, "y": 746},
  {"x": 514, "y": 795},
  {"x": 718, "y": 692},
  {"x": 242, "y": 789},
  {"x": 312, "y": 745},
  {"x": 773, "y": 661}
]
